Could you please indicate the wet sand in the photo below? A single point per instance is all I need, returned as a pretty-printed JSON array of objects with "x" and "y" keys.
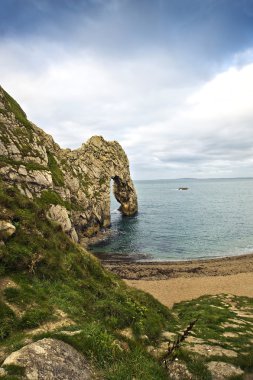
[{"x": 172, "y": 282}]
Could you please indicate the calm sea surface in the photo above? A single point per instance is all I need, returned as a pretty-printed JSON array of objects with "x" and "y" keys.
[{"x": 214, "y": 218}]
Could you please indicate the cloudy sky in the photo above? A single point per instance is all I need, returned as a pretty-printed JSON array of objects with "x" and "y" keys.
[{"x": 171, "y": 80}]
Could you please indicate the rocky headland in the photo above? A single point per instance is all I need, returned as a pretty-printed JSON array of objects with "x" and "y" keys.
[{"x": 75, "y": 183}]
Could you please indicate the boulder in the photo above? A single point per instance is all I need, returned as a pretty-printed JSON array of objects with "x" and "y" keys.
[
  {"x": 222, "y": 370},
  {"x": 59, "y": 215},
  {"x": 178, "y": 371},
  {"x": 7, "y": 229},
  {"x": 50, "y": 359}
]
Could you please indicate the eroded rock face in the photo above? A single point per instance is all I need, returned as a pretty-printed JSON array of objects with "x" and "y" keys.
[
  {"x": 59, "y": 215},
  {"x": 50, "y": 359},
  {"x": 32, "y": 161}
]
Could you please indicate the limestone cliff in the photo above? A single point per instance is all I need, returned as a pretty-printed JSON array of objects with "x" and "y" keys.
[{"x": 75, "y": 184}]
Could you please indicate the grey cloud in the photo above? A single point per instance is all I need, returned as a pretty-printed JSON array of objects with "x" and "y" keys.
[{"x": 136, "y": 96}]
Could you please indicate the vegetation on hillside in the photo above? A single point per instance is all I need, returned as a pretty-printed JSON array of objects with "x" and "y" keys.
[
  {"x": 54, "y": 277},
  {"x": 13, "y": 106},
  {"x": 57, "y": 289}
]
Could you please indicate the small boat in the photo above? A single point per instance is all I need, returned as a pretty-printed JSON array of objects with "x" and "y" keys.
[{"x": 183, "y": 188}]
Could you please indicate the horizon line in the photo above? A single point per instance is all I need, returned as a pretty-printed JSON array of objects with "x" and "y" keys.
[{"x": 190, "y": 178}]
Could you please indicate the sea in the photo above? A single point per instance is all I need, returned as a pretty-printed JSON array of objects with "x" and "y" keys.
[{"x": 213, "y": 218}]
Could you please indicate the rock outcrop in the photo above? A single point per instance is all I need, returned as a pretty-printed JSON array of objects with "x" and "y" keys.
[
  {"x": 7, "y": 229},
  {"x": 59, "y": 215},
  {"x": 50, "y": 359},
  {"x": 78, "y": 180}
]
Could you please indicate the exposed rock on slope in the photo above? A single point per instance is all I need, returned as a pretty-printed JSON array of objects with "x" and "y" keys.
[
  {"x": 78, "y": 180},
  {"x": 50, "y": 359},
  {"x": 6, "y": 229}
]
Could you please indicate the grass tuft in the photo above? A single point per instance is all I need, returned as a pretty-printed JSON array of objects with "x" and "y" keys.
[
  {"x": 57, "y": 175},
  {"x": 14, "y": 107}
]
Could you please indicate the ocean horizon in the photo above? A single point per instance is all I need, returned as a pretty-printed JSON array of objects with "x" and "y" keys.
[{"x": 213, "y": 218}]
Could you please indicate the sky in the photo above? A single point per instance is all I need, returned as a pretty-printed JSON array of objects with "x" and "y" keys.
[{"x": 171, "y": 80}]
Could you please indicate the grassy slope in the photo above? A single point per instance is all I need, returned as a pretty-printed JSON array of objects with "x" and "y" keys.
[
  {"x": 54, "y": 274},
  {"x": 219, "y": 316}
]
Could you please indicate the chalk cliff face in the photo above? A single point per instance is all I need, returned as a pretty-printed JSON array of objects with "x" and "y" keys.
[{"x": 74, "y": 185}]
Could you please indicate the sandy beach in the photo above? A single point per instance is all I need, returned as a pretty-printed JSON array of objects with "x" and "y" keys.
[{"x": 172, "y": 282}]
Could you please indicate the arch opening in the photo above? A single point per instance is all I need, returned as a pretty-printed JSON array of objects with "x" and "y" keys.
[{"x": 114, "y": 204}]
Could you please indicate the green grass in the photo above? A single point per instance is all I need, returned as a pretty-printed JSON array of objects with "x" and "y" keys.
[
  {"x": 52, "y": 273},
  {"x": 57, "y": 174},
  {"x": 35, "y": 316},
  {"x": 29, "y": 165},
  {"x": 7, "y": 320},
  {"x": 14, "y": 372},
  {"x": 51, "y": 197},
  {"x": 195, "y": 364},
  {"x": 211, "y": 313},
  {"x": 14, "y": 107},
  {"x": 214, "y": 313},
  {"x": 35, "y": 236},
  {"x": 4, "y": 136}
]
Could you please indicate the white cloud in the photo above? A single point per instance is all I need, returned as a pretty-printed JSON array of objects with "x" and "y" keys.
[
  {"x": 169, "y": 125},
  {"x": 211, "y": 134},
  {"x": 94, "y": 93},
  {"x": 226, "y": 96}
]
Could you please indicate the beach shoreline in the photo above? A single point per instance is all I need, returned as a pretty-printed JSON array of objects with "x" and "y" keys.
[
  {"x": 173, "y": 282},
  {"x": 161, "y": 270}
]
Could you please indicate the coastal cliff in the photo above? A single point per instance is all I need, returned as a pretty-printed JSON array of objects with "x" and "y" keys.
[
  {"x": 75, "y": 184},
  {"x": 62, "y": 314}
]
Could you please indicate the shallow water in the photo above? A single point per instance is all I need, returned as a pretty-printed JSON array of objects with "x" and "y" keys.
[{"x": 214, "y": 218}]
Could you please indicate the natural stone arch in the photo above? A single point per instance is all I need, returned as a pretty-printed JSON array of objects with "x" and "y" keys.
[
  {"x": 125, "y": 194},
  {"x": 77, "y": 181},
  {"x": 101, "y": 161}
]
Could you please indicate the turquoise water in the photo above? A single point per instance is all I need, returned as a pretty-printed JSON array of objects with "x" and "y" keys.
[{"x": 214, "y": 218}]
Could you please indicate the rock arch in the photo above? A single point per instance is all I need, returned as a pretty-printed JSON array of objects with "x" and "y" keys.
[
  {"x": 77, "y": 180},
  {"x": 100, "y": 161}
]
